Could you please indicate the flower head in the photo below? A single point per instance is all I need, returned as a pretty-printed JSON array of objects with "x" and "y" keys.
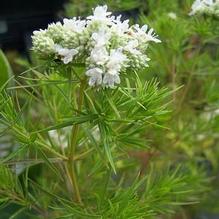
[
  {"x": 120, "y": 27},
  {"x": 205, "y": 7},
  {"x": 106, "y": 44},
  {"x": 42, "y": 43},
  {"x": 145, "y": 34},
  {"x": 101, "y": 14}
]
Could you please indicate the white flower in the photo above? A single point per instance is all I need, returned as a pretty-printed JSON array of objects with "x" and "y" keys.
[
  {"x": 66, "y": 54},
  {"x": 143, "y": 35},
  {"x": 116, "y": 60},
  {"x": 100, "y": 14},
  {"x": 99, "y": 56},
  {"x": 205, "y": 6},
  {"x": 114, "y": 65},
  {"x": 131, "y": 47},
  {"x": 111, "y": 79},
  {"x": 101, "y": 38},
  {"x": 119, "y": 26},
  {"x": 172, "y": 15},
  {"x": 198, "y": 5},
  {"x": 74, "y": 25},
  {"x": 95, "y": 75}
]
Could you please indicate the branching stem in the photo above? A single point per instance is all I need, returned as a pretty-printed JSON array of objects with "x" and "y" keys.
[{"x": 75, "y": 130}]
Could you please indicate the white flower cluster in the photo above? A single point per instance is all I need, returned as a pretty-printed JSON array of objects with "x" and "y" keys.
[
  {"x": 210, "y": 7},
  {"x": 106, "y": 44}
]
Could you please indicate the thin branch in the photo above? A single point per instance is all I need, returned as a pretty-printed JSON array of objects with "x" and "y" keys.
[{"x": 52, "y": 160}]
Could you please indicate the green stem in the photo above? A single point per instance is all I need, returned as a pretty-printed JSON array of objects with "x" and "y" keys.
[{"x": 75, "y": 130}]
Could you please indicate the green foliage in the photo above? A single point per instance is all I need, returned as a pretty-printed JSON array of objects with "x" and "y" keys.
[
  {"x": 8, "y": 181},
  {"x": 5, "y": 69},
  {"x": 157, "y": 193}
]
